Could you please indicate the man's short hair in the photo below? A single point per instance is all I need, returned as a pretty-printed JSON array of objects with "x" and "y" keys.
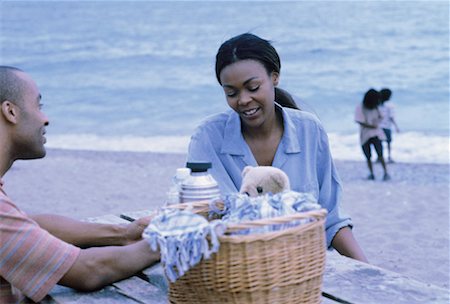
[{"x": 11, "y": 86}]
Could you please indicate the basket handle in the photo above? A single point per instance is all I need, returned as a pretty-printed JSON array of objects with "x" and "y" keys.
[
  {"x": 315, "y": 214},
  {"x": 203, "y": 207},
  {"x": 197, "y": 206}
]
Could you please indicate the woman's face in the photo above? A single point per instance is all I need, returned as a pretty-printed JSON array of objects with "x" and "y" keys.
[{"x": 250, "y": 91}]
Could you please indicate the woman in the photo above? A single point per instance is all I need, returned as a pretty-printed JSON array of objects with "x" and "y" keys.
[
  {"x": 262, "y": 129},
  {"x": 369, "y": 117}
]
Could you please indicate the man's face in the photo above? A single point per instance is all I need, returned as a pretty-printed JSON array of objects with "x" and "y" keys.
[{"x": 29, "y": 137}]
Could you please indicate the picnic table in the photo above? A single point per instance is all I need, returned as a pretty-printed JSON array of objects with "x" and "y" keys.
[{"x": 345, "y": 281}]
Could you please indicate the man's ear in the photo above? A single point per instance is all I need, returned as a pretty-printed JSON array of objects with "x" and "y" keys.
[{"x": 9, "y": 111}]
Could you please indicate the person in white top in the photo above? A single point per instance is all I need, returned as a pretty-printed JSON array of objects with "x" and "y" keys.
[
  {"x": 369, "y": 117},
  {"x": 387, "y": 110}
]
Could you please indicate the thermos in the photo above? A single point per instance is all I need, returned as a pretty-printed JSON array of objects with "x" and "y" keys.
[
  {"x": 200, "y": 185},
  {"x": 173, "y": 195}
]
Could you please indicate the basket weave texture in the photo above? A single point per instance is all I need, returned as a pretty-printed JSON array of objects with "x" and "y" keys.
[{"x": 284, "y": 266}]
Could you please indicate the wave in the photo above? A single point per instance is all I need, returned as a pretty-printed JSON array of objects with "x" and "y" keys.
[{"x": 412, "y": 147}]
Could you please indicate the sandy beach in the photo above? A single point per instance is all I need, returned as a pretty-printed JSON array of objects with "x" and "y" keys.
[{"x": 402, "y": 225}]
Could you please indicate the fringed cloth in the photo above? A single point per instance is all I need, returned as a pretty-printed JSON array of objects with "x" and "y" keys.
[{"x": 182, "y": 239}]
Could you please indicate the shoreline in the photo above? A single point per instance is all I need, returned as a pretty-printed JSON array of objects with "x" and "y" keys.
[
  {"x": 434, "y": 147},
  {"x": 402, "y": 225}
]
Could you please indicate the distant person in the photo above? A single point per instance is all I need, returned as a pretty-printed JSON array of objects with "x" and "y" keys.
[
  {"x": 368, "y": 116},
  {"x": 387, "y": 110},
  {"x": 38, "y": 252},
  {"x": 261, "y": 128}
]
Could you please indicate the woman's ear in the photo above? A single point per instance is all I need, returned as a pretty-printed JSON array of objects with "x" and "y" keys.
[
  {"x": 9, "y": 111},
  {"x": 275, "y": 78}
]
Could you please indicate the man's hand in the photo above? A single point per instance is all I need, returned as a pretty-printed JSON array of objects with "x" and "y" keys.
[
  {"x": 133, "y": 232},
  {"x": 85, "y": 234}
]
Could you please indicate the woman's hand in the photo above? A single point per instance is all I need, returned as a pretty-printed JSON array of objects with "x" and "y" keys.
[
  {"x": 366, "y": 125},
  {"x": 345, "y": 243}
]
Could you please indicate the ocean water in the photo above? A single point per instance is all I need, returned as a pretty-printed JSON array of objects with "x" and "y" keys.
[{"x": 139, "y": 75}]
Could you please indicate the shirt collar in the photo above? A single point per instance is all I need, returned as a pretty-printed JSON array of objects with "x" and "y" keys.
[
  {"x": 290, "y": 138},
  {"x": 235, "y": 144},
  {"x": 233, "y": 141}
]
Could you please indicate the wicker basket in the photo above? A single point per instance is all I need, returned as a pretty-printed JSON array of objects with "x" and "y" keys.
[{"x": 283, "y": 266}]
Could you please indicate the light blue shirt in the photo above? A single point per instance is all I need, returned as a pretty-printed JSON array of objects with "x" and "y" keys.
[{"x": 303, "y": 153}]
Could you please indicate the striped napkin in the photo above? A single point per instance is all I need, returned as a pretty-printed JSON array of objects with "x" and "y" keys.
[{"x": 182, "y": 239}]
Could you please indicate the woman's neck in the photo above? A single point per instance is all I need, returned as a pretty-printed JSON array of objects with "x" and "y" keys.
[
  {"x": 264, "y": 140},
  {"x": 271, "y": 126}
]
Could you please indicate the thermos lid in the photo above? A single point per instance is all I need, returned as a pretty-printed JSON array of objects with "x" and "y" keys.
[
  {"x": 200, "y": 186},
  {"x": 182, "y": 173},
  {"x": 198, "y": 166}
]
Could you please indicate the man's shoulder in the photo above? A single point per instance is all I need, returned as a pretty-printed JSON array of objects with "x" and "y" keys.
[
  {"x": 6, "y": 203},
  {"x": 8, "y": 208}
]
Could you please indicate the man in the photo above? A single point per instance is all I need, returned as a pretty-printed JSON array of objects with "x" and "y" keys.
[
  {"x": 38, "y": 252},
  {"x": 387, "y": 110}
]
